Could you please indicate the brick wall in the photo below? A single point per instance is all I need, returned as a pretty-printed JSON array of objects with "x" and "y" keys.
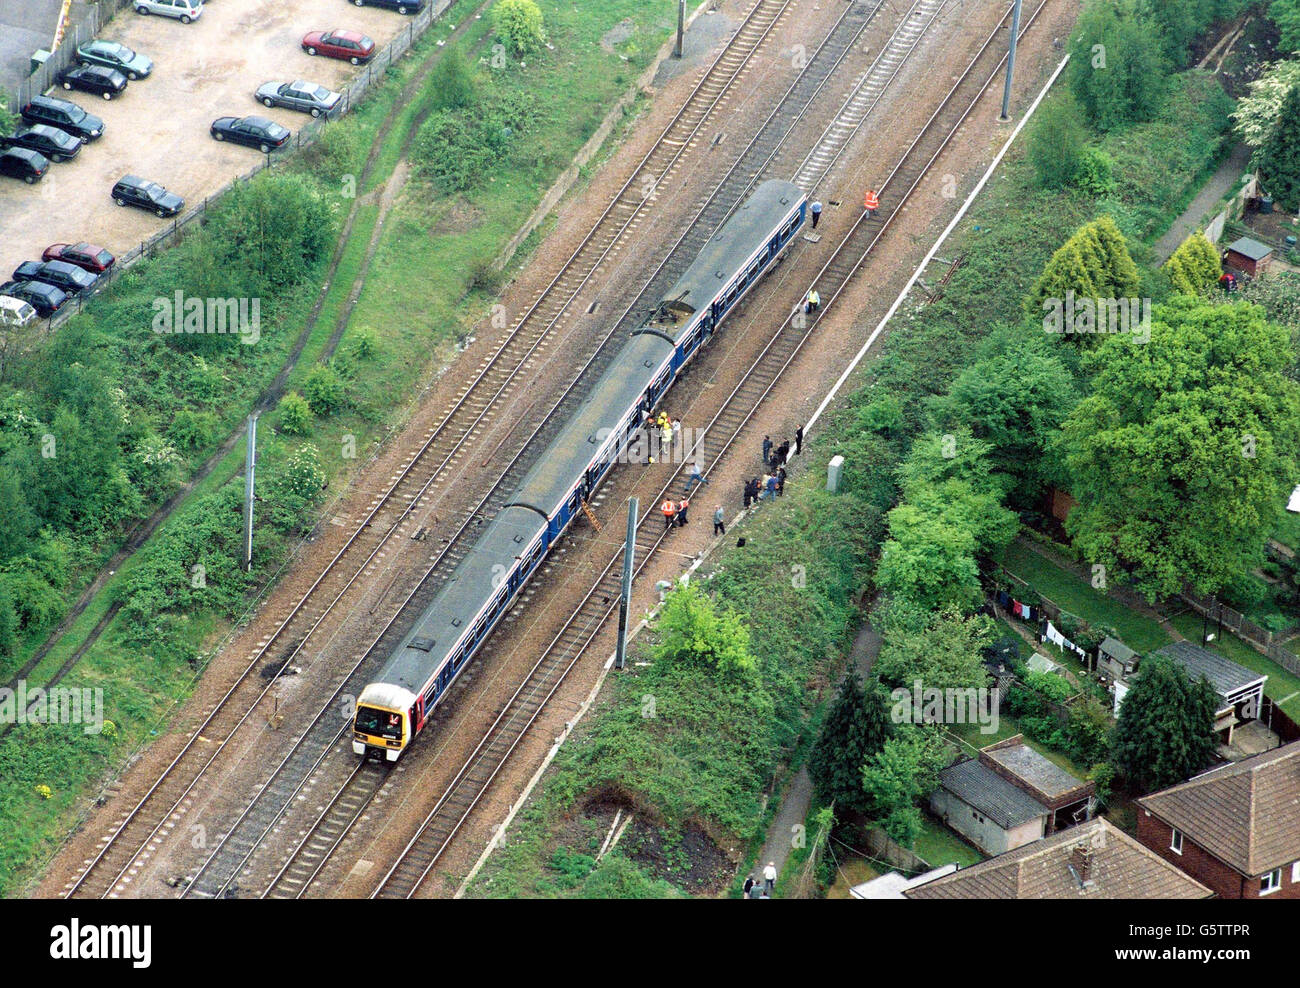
[{"x": 1227, "y": 882}]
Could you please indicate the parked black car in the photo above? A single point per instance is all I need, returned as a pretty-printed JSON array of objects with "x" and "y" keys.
[
  {"x": 45, "y": 299},
  {"x": 65, "y": 115},
  {"x": 49, "y": 141},
  {"x": 401, "y": 6},
  {"x": 131, "y": 190},
  {"x": 24, "y": 163},
  {"x": 97, "y": 79},
  {"x": 254, "y": 132},
  {"x": 62, "y": 275}
]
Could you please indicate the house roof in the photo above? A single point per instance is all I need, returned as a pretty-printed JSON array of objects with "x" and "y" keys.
[
  {"x": 983, "y": 789},
  {"x": 1247, "y": 814},
  {"x": 1247, "y": 247},
  {"x": 1224, "y": 675},
  {"x": 1117, "y": 649},
  {"x": 1121, "y": 868},
  {"x": 1041, "y": 774}
]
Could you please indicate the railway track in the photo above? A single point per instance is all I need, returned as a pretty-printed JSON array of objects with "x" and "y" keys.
[
  {"x": 448, "y": 815},
  {"x": 250, "y": 831},
  {"x": 473, "y": 409}
]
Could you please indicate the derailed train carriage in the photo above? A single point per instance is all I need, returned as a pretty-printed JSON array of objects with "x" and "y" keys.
[{"x": 393, "y": 709}]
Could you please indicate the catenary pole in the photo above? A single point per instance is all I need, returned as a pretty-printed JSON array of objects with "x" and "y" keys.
[
  {"x": 1011, "y": 62},
  {"x": 625, "y": 596}
]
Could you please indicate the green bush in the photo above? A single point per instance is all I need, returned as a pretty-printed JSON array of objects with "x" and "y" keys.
[
  {"x": 295, "y": 414},
  {"x": 518, "y": 24},
  {"x": 1094, "y": 173},
  {"x": 1057, "y": 142},
  {"x": 324, "y": 390}
]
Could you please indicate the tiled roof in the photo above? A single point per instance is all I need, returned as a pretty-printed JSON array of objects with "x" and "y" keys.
[
  {"x": 1025, "y": 763},
  {"x": 1246, "y": 814},
  {"x": 983, "y": 789},
  {"x": 1120, "y": 868},
  {"x": 1224, "y": 675}
]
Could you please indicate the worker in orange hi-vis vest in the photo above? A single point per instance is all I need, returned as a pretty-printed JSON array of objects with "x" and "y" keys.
[
  {"x": 870, "y": 202},
  {"x": 670, "y": 512}
]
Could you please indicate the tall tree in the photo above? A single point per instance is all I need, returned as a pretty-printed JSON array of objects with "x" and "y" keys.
[
  {"x": 1094, "y": 263},
  {"x": 1014, "y": 397},
  {"x": 1166, "y": 726},
  {"x": 904, "y": 771},
  {"x": 1258, "y": 113},
  {"x": 856, "y": 727},
  {"x": 1182, "y": 456},
  {"x": 1194, "y": 267},
  {"x": 1279, "y": 159},
  {"x": 1286, "y": 15},
  {"x": 943, "y": 650},
  {"x": 1116, "y": 73}
]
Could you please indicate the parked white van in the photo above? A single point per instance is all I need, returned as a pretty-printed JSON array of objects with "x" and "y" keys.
[
  {"x": 15, "y": 312},
  {"x": 183, "y": 10}
]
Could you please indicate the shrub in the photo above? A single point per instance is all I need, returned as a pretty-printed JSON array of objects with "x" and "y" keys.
[
  {"x": 518, "y": 24},
  {"x": 295, "y": 414},
  {"x": 1095, "y": 173},
  {"x": 324, "y": 390},
  {"x": 1056, "y": 144}
]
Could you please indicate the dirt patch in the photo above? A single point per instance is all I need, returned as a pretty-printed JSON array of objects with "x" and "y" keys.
[
  {"x": 617, "y": 34},
  {"x": 461, "y": 217},
  {"x": 690, "y": 859}
]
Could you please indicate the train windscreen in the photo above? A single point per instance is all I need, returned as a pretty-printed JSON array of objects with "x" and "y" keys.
[{"x": 379, "y": 723}]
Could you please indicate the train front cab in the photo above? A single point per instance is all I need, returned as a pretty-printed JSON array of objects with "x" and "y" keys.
[{"x": 385, "y": 721}]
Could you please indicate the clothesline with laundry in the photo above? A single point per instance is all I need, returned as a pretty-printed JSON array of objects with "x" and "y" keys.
[{"x": 1025, "y": 612}]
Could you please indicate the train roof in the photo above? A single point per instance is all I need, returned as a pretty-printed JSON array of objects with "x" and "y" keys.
[
  {"x": 622, "y": 385},
  {"x": 732, "y": 245},
  {"x": 438, "y": 629}
]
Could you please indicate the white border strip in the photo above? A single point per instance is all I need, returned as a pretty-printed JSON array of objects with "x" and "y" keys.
[{"x": 933, "y": 250}]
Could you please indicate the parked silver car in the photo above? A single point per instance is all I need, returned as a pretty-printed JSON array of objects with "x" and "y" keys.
[
  {"x": 299, "y": 95},
  {"x": 183, "y": 10}
]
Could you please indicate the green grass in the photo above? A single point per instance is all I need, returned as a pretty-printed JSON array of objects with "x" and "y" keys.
[
  {"x": 939, "y": 845},
  {"x": 1077, "y": 596}
]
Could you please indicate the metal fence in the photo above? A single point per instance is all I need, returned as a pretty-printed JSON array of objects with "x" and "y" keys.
[
  {"x": 307, "y": 134},
  {"x": 1261, "y": 638}
]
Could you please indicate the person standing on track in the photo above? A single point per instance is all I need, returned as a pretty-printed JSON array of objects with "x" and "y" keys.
[
  {"x": 696, "y": 477},
  {"x": 767, "y": 449},
  {"x": 670, "y": 510},
  {"x": 719, "y": 521},
  {"x": 681, "y": 511},
  {"x": 798, "y": 440},
  {"x": 816, "y": 212},
  {"x": 813, "y": 303},
  {"x": 871, "y": 202}
]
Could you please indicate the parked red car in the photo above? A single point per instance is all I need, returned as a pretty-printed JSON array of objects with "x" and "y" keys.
[
  {"x": 86, "y": 256},
  {"x": 351, "y": 46}
]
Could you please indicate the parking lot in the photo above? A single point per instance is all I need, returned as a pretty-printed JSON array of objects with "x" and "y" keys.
[{"x": 158, "y": 128}]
